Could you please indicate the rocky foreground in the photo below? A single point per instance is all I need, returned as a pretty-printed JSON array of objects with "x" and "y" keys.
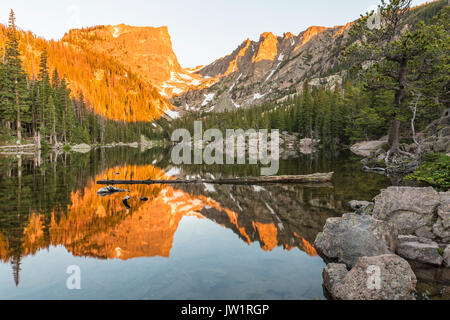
[{"x": 373, "y": 248}]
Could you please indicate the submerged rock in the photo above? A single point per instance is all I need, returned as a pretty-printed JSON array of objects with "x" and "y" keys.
[
  {"x": 109, "y": 190},
  {"x": 352, "y": 236},
  {"x": 419, "y": 249},
  {"x": 385, "y": 277},
  {"x": 407, "y": 208}
]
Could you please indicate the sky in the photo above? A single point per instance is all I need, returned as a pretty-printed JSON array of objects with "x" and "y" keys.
[{"x": 201, "y": 30}]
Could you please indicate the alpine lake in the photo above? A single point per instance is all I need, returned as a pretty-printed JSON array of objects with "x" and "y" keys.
[{"x": 191, "y": 241}]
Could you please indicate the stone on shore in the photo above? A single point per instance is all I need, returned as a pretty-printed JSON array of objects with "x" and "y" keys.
[
  {"x": 385, "y": 277},
  {"x": 361, "y": 207},
  {"x": 409, "y": 209},
  {"x": 332, "y": 274},
  {"x": 447, "y": 256},
  {"x": 444, "y": 209},
  {"x": 358, "y": 205},
  {"x": 419, "y": 249},
  {"x": 442, "y": 226},
  {"x": 365, "y": 148},
  {"x": 352, "y": 236}
]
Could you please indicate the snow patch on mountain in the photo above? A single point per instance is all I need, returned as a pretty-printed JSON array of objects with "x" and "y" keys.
[
  {"x": 172, "y": 114},
  {"x": 208, "y": 98}
]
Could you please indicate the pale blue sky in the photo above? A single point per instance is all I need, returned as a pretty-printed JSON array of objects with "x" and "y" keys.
[{"x": 201, "y": 30}]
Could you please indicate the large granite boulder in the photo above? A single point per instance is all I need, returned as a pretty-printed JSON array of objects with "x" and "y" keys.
[
  {"x": 447, "y": 256},
  {"x": 352, "y": 236},
  {"x": 442, "y": 226},
  {"x": 409, "y": 209},
  {"x": 419, "y": 249},
  {"x": 365, "y": 148},
  {"x": 385, "y": 277}
]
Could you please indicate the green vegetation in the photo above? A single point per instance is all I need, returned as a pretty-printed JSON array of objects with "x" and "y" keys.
[
  {"x": 435, "y": 170},
  {"x": 408, "y": 63}
]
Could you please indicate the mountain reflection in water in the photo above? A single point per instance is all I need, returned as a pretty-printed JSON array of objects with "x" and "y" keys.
[
  {"x": 54, "y": 204},
  {"x": 101, "y": 227}
]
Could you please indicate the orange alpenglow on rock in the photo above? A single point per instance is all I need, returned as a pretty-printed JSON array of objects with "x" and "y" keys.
[
  {"x": 268, "y": 48},
  {"x": 102, "y": 227},
  {"x": 309, "y": 34},
  {"x": 268, "y": 234},
  {"x": 233, "y": 66},
  {"x": 109, "y": 77},
  {"x": 306, "y": 246}
]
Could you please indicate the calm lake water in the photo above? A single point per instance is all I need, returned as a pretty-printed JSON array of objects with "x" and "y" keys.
[{"x": 185, "y": 242}]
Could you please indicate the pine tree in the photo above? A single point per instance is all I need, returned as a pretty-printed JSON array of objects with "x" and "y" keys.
[
  {"x": 402, "y": 55},
  {"x": 44, "y": 93},
  {"x": 15, "y": 82}
]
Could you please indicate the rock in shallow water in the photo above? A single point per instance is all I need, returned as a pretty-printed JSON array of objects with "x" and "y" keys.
[
  {"x": 419, "y": 249},
  {"x": 385, "y": 277},
  {"x": 352, "y": 236}
]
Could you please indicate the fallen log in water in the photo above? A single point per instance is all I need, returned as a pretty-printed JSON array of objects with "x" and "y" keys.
[{"x": 310, "y": 178}]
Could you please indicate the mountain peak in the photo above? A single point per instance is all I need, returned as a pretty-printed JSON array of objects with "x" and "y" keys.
[
  {"x": 146, "y": 51},
  {"x": 268, "y": 47}
]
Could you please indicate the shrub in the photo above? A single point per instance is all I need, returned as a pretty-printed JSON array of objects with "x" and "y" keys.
[{"x": 435, "y": 170}]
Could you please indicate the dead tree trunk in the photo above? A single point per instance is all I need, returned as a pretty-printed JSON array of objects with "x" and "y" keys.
[{"x": 312, "y": 178}]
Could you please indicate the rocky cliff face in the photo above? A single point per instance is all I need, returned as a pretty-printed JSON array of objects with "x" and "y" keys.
[
  {"x": 270, "y": 68},
  {"x": 145, "y": 51},
  {"x": 92, "y": 66}
]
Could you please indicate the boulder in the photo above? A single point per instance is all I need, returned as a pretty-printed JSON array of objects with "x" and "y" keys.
[
  {"x": 440, "y": 231},
  {"x": 366, "y": 148},
  {"x": 357, "y": 205},
  {"x": 447, "y": 256},
  {"x": 385, "y": 277},
  {"x": 444, "y": 209},
  {"x": 407, "y": 208},
  {"x": 352, "y": 236},
  {"x": 442, "y": 226},
  {"x": 361, "y": 207},
  {"x": 332, "y": 274},
  {"x": 419, "y": 249}
]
